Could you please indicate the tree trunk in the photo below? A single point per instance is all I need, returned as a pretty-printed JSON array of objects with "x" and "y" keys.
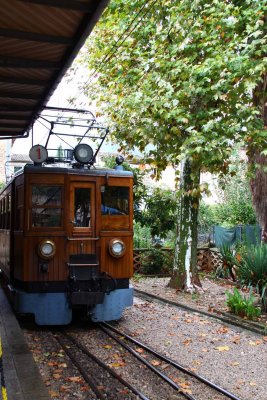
[
  {"x": 259, "y": 162},
  {"x": 185, "y": 274}
]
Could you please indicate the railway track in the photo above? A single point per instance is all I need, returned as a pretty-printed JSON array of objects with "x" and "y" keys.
[
  {"x": 107, "y": 384},
  {"x": 219, "y": 315},
  {"x": 95, "y": 372},
  {"x": 107, "y": 328}
]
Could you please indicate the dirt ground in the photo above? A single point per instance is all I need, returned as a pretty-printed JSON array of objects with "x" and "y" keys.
[{"x": 211, "y": 299}]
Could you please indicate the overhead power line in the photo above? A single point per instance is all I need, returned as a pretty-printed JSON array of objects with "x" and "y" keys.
[{"x": 119, "y": 42}]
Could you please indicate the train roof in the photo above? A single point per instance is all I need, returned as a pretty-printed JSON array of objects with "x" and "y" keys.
[
  {"x": 39, "y": 39},
  {"x": 96, "y": 171}
]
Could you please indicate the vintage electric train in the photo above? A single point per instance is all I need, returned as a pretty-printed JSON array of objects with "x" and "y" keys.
[{"x": 66, "y": 238}]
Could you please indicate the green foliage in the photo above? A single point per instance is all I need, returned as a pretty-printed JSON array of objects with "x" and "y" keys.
[
  {"x": 137, "y": 277},
  {"x": 156, "y": 261},
  {"x": 252, "y": 269},
  {"x": 235, "y": 207},
  {"x": 242, "y": 305},
  {"x": 176, "y": 78},
  {"x": 179, "y": 75},
  {"x": 160, "y": 212},
  {"x": 142, "y": 236}
]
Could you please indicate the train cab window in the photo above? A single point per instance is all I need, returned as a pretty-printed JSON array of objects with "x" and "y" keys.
[
  {"x": 46, "y": 206},
  {"x": 114, "y": 200},
  {"x": 82, "y": 207}
]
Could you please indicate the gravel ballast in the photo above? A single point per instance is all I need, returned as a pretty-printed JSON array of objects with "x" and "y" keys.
[{"x": 229, "y": 356}]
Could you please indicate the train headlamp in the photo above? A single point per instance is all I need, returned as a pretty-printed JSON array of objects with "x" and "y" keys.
[
  {"x": 117, "y": 248},
  {"x": 83, "y": 153},
  {"x": 47, "y": 249}
]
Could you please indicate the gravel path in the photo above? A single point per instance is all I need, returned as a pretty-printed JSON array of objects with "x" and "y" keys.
[{"x": 228, "y": 356}]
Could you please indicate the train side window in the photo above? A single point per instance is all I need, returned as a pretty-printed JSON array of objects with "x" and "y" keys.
[
  {"x": 4, "y": 213},
  {"x": 114, "y": 200},
  {"x": 46, "y": 206},
  {"x": 82, "y": 207},
  {"x": 19, "y": 208},
  {"x": 8, "y": 212},
  {"x": 1, "y": 214}
]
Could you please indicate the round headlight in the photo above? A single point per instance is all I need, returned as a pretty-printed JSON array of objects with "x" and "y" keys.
[
  {"x": 47, "y": 249},
  {"x": 117, "y": 248},
  {"x": 83, "y": 153}
]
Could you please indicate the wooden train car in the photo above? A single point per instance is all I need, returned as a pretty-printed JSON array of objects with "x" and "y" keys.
[{"x": 66, "y": 241}]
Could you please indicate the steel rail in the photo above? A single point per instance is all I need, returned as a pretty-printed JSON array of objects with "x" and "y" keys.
[
  {"x": 173, "y": 363},
  {"x": 104, "y": 366},
  {"x": 224, "y": 317},
  {"x": 148, "y": 364},
  {"x": 81, "y": 369}
]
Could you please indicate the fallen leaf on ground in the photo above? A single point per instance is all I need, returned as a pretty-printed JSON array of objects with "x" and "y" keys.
[
  {"x": 53, "y": 394},
  {"x": 74, "y": 379},
  {"x": 187, "y": 342},
  {"x": 155, "y": 363},
  {"x": 234, "y": 363},
  {"x": 139, "y": 350},
  {"x": 118, "y": 364},
  {"x": 256, "y": 343},
  {"x": 223, "y": 329},
  {"x": 222, "y": 348},
  {"x": 235, "y": 339},
  {"x": 164, "y": 366}
]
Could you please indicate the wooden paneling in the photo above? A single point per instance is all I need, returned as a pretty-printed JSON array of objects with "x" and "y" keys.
[
  {"x": 117, "y": 267},
  {"x": 115, "y": 222},
  {"x": 5, "y": 250},
  {"x": 57, "y": 270},
  {"x": 81, "y": 246},
  {"x": 70, "y": 239},
  {"x": 17, "y": 256}
]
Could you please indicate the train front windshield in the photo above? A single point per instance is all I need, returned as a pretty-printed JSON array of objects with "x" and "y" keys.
[{"x": 115, "y": 200}]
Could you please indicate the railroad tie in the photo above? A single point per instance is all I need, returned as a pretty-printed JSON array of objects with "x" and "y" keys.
[{"x": 3, "y": 386}]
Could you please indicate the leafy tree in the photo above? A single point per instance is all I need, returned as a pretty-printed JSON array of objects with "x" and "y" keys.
[
  {"x": 160, "y": 212},
  {"x": 179, "y": 75}
]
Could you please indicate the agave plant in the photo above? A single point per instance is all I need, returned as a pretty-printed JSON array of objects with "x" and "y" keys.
[
  {"x": 252, "y": 269},
  {"x": 229, "y": 260}
]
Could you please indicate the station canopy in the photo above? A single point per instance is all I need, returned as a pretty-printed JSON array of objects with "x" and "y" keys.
[{"x": 39, "y": 39}]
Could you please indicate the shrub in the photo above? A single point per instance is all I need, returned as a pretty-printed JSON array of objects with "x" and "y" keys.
[
  {"x": 252, "y": 269},
  {"x": 242, "y": 305},
  {"x": 156, "y": 261}
]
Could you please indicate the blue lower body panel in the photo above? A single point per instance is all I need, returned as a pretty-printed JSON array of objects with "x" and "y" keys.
[
  {"x": 113, "y": 305},
  {"x": 48, "y": 308}
]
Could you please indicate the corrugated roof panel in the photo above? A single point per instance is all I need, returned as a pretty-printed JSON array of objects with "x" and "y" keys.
[
  {"x": 21, "y": 88},
  {"x": 26, "y": 49},
  {"x": 20, "y": 73},
  {"x": 30, "y": 17}
]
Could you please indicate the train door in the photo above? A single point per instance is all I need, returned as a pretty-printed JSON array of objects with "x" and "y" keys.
[
  {"x": 82, "y": 218},
  {"x": 83, "y": 261},
  {"x": 82, "y": 209}
]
